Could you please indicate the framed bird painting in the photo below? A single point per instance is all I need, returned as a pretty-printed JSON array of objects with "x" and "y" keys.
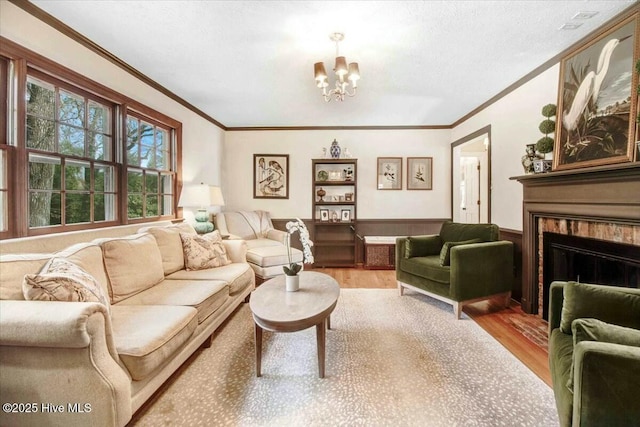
[
  {"x": 597, "y": 102},
  {"x": 270, "y": 176}
]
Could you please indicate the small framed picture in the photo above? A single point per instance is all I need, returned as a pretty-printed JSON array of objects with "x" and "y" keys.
[
  {"x": 389, "y": 173},
  {"x": 345, "y": 215},
  {"x": 348, "y": 197},
  {"x": 324, "y": 215},
  {"x": 419, "y": 173}
]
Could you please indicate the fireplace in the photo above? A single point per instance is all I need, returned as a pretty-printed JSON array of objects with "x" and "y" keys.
[
  {"x": 568, "y": 257},
  {"x": 601, "y": 204}
]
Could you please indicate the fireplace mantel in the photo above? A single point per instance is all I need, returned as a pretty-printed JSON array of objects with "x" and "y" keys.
[{"x": 608, "y": 194}]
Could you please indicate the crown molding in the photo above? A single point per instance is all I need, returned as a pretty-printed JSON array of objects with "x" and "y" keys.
[{"x": 268, "y": 128}]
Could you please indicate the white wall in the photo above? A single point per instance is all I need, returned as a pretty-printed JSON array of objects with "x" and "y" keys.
[
  {"x": 514, "y": 121},
  {"x": 202, "y": 140},
  {"x": 365, "y": 145}
]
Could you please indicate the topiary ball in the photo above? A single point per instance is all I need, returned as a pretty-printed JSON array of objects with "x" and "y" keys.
[
  {"x": 547, "y": 126},
  {"x": 544, "y": 145},
  {"x": 549, "y": 110}
]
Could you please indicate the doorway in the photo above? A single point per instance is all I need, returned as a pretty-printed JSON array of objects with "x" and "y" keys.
[{"x": 471, "y": 178}]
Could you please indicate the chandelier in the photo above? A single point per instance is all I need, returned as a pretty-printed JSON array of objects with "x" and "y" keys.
[{"x": 344, "y": 75}]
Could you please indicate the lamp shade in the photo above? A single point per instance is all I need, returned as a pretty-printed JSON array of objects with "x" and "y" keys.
[
  {"x": 341, "y": 66},
  {"x": 354, "y": 72},
  {"x": 216, "y": 196},
  {"x": 195, "y": 195},
  {"x": 320, "y": 74}
]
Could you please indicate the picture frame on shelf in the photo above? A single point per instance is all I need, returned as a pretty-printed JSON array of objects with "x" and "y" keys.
[
  {"x": 270, "y": 176},
  {"x": 348, "y": 197},
  {"x": 345, "y": 215},
  {"x": 419, "y": 173},
  {"x": 335, "y": 216},
  {"x": 389, "y": 173},
  {"x": 324, "y": 215},
  {"x": 597, "y": 101}
]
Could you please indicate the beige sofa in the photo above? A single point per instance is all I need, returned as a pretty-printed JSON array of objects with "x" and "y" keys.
[
  {"x": 107, "y": 360},
  {"x": 266, "y": 246}
]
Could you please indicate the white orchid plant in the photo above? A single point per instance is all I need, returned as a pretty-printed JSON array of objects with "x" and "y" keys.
[{"x": 307, "y": 256}]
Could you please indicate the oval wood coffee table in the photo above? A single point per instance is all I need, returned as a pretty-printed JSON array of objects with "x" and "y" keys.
[{"x": 277, "y": 310}]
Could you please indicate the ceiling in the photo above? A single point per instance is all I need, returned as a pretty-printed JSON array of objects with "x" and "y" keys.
[{"x": 250, "y": 63}]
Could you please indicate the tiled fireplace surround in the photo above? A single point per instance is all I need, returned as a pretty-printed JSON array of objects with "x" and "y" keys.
[
  {"x": 600, "y": 203},
  {"x": 609, "y": 231}
]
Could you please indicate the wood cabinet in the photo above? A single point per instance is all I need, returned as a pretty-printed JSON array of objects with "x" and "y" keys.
[{"x": 334, "y": 212}]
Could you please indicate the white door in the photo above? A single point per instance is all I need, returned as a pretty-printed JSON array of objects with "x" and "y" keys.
[
  {"x": 469, "y": 190},
  {"x": 470, "y": 186}
]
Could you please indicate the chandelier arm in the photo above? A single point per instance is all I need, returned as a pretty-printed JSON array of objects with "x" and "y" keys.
[{"x": 352, "y": 94}]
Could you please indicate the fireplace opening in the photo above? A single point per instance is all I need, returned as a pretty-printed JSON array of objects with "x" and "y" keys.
[{"x": 581, "y": 259}]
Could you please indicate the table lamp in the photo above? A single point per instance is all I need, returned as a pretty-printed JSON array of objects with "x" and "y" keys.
[{"x": 199, "y": 196}]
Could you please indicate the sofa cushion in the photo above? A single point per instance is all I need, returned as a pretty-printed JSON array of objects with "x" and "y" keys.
[
  {"x": 457, "y": 232},
  {"x": 619, "y": 306},
  {"x": 148, "y": 335},
  {"x": 202, "y": 252},
  {"x": 206, "y": 296},
  {"x": 428, "y": 267},
  {"x": 13, "y": 269},
  {"x": 445, "y": 252},
  {"x": 596, "y": 330},
  {"x": 237, "y": 275},
  {"x": 268, "y": 256},
  {"x": 87, "y": 256},
  {"x": 170, "y": 244},
  {"x": 62, "y": 280},
  {"x": 422, "y": 246},
  {"x": 133, "y": 264},
  {"x": 262, "y": 243}
]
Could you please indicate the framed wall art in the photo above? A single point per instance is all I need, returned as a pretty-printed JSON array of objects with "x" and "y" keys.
[
  {"x": 345, "y": 215},
  {"x": 324, "y": 215},
  {"x": 389, "y": 173},
  {"x": 597, "y": 102},
  {"x": 270, "y": 176},
  {"x": 419, "y": 173}
]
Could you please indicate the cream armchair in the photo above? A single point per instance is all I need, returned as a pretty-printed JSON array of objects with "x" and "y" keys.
[{"x": 266, "y": 246}]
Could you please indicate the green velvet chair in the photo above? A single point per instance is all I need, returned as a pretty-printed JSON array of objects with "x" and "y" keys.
[
  {"x": 594, "y": 354},
  {"x": 462, "y": 264}
]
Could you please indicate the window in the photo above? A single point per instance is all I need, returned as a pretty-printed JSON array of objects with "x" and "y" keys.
[
  {"x": 4, "y": 148},
  {"x": 69, "y": 140},
  {"x": 75, "y": 154},
  {"x": 150, "y": 175}
]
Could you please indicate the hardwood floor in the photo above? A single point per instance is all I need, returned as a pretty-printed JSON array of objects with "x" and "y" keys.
[{"x": 524, "y": 335}]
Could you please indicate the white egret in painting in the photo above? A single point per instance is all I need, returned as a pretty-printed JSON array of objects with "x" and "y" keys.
[{"x": 589, "y": 89}]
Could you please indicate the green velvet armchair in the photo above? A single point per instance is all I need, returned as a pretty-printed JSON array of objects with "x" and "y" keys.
[
  {"x": 594, "y": 354},
  {"x": 462, "y": 264}
]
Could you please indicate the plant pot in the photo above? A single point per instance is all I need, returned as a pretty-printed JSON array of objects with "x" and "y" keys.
[
  {"x": 548, "y": 156},
  {"x": 292, "y": 283}
]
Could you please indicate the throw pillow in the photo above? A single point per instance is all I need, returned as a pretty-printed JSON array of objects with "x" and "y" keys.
[
  {"x": 445, "y": 252},
  {"x": 597, "y": 330},
  {"x": 422, "y": 246},
  {"x": 62, "y": 280},
  {"x": 618, "y": 306},
  {"x": 204, "y": 251}
]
